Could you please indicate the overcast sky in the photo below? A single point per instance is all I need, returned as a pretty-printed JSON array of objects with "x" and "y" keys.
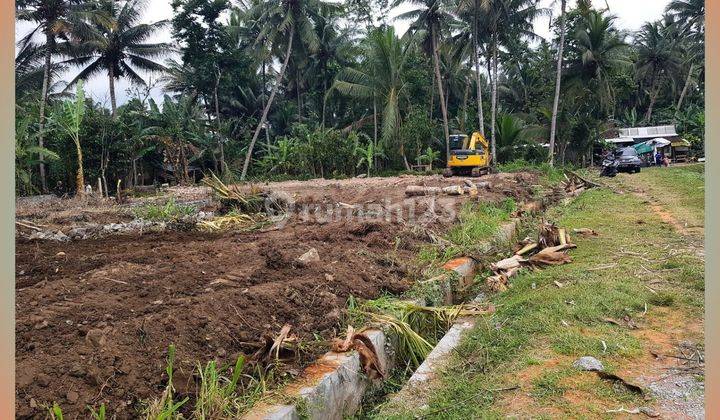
[{"x": 631, "y": 14}]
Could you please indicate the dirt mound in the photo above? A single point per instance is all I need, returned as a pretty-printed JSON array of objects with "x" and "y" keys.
[{"x": 95, "y": 317}]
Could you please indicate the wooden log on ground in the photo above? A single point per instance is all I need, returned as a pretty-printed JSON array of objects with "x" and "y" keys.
[
  {"x": 576, "y": 192},
  {"x": 586, "y": 181},
  {"x": 416, "y": 190},
  {"x": 453, "y": 190},
  {"x": 527, "y": 248}
]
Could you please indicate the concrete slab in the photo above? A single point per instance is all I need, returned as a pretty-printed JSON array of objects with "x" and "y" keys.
[{"x": 331, "y": 388}]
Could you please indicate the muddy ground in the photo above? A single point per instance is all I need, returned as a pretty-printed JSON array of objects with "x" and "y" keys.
[{"x": 95, "y": 317}]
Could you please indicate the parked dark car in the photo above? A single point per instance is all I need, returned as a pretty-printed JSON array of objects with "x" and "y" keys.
[{"x": 628, "y": 160}]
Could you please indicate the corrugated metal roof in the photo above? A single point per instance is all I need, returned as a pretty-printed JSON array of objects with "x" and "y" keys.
[
  {"x": 648, "y": 132},
  {"x": 621, "y": 140}
]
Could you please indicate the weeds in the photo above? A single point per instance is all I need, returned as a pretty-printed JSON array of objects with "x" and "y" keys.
[
  {"x": 164, "y": 408},
  {"x": 170, "y": 211},
  {"x": 55, "y": 412},
  {"x": 217, "y": 397},
  {"x": 414, "y": 326},
  {"x": 234, "y": 221},
  {"x": 99, "y": 414},
  {"x": 552, "y": 174},
  {"x": 233, "y": 198},
  {"x": 478, "y": 222}
]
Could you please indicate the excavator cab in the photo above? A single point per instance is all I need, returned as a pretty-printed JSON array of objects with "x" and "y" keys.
[{"x": 469, "y": 155}]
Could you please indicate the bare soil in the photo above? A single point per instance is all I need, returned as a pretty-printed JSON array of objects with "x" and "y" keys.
[{"x": 94, "y": 318}]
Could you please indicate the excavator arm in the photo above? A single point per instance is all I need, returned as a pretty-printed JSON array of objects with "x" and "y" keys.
[{"x": 478, "y": 139}]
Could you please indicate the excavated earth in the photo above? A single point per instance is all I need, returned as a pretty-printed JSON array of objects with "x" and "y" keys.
[{"x": 95, "y": 317}]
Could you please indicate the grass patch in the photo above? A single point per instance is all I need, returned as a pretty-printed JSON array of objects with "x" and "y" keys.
[
  {"x": 680, "y": 190},
  {"x": 478, "y": 223},
  {"x": 663, "y": 299},
  {"x": 536, "y": 317},
  {"x": 167, "y": 212},
  {"x": 548, "y": 385},
  {"x": 551, "y": 174}
]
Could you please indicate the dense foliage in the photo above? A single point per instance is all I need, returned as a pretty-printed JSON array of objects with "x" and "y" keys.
[{"x": 307, "y": 88}]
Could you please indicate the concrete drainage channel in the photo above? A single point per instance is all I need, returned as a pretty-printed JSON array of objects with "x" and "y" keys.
[{"x": 333, "y": 386}]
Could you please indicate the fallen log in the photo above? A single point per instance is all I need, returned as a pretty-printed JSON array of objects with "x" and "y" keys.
[
  {"x": 586, "y": 181},
  {"x": 585, "y": 232},
  {"x": 499, "y": 282},
  {"x": 471, "y": 191},
  {"x": 552, "y": 255},
  {"x": 576, "y": 192},
  {"x": 416, "y": 190},
  {"x": 508, "y": 263},
  {"x": 453, "y": 190},
  {"x": 527, "y": 248}
]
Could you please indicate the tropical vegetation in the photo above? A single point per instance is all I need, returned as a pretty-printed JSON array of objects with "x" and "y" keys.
[{"x": 308, "y": 88}]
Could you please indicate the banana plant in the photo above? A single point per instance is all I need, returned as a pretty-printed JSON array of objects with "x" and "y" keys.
[
  {"x": 69, "y": 119},
  {"x": 429, "y": 156},
  {"x": 27, "y": 154},
  {"x": 367, "y": 155}
]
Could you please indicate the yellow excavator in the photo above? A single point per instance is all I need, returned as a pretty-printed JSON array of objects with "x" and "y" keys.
[{"x": 468, "y": 155}]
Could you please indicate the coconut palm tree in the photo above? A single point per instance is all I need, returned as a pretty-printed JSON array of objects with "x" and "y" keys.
[
  {"x": 30, "y": 69},
  {"x": 431, "y": 18},
  {"x": 467, "y": 47},
  {"x": 116, "y": 44},
  {"x": 280, "y": 21},
  {"x": 597, "y": 52},
  {"x": 511, "y": 134},
  {"x": 657, "y": 58},
  {"x": 506, "y": 21},
  {"x": 381, "y": 76},
  {"x": 690, "y": 14},
  {"x": 55, "y": 20}
]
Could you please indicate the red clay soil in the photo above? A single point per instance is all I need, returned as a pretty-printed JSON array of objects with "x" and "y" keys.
[{"x": 94, "y": 318}]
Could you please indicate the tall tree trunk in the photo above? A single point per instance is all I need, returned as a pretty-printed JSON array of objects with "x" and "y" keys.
[
  {"x": 402, "y": 153},
  {"x": 324, "y": 103},
  {"x": 278, "y": 79},
  {"x": 653, "y": 98},
  {"x": 297, "y": 89},
  {"x": 493, "y": 111},
  {"x": 375, "y": 122},
  {"x": 375, "y": 128},
  {"x": 432, "y": 95},
  {"x": 465, "y": 104},
  {"x": 47, "y": 71},
  {"x": 558, "y": 75},
  {"x": 223, "y": 166},
  {"x": 264, "y": 82},
  {"x": 684, "y": 89},
  {"x": 443, "y": 108},
  {"x": 111, "y": 78},
  {"x": 213, "y": 154},
  {"x": 476, "y": 61},
  {"x": 447, "y": 98}
]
